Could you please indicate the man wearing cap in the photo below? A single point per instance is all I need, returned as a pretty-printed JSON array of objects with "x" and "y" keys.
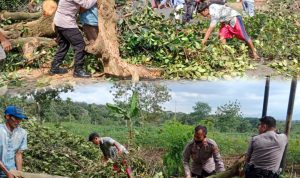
[
  {"x": 265, "y": 151},
  {"x": 13, "y": 141},
  {"x": 204, "y": 153}
]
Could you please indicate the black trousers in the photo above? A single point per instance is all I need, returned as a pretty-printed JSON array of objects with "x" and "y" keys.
[
  {"x": 203, "y": 174},
  {"x": 65, "y": 38},
  {"x": 252, "y": 172}
]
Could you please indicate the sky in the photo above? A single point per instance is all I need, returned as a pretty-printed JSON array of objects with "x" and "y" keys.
[{"x": 184, "y": 95}]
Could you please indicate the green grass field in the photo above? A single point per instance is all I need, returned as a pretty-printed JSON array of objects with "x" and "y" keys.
[{"x": 231, "y": 144}]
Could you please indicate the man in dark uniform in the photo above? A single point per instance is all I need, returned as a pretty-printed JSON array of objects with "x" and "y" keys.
[
  {"x": 206, "y": 158},
  {"x": 265, "y": 151}
]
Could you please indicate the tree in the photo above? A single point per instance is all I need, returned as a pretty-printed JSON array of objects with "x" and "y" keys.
[
  {"x": 201, "y": 110},
  {"x": 128, "y": 114},
  {"x": 229, "y": 116},
  {"x": 151, "y": 96}
]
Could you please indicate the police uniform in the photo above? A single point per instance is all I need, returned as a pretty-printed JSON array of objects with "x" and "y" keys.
[
  {"x": 206, "y": 158},
  {"x": 265, "y": 152}
]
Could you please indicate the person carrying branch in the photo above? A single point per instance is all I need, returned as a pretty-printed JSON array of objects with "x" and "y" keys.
[
  {"x": 265, "y": 151},
  {"x": 231, "y": 24},
  {"x": 205, "y": 155},
  {"x": 111, "y": 149},
  {"x": 13, "y": 141},
  {"x": 68, "y": 34}
]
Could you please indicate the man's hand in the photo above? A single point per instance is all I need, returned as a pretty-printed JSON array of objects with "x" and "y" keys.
[
  {"x": 120, "y": 152},
  {"x": 188, "y": 177},
  {"x": 6, "y": 45},
  {"x": 203, "y": 42},
  {"x": 10, "y": 175}
]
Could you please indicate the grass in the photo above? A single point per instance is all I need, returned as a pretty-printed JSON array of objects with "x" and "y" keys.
[{"x": 230, "y": 144}]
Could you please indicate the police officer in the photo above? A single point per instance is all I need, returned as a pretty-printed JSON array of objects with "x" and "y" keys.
[
  {"x": 265, "y": 151},
  {"x": 205, "y": 155}
]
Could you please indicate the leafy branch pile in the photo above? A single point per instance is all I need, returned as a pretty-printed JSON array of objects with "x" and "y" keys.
[
  {"x": 149, "y": 39},
  {"x": 61, "y": 153}
]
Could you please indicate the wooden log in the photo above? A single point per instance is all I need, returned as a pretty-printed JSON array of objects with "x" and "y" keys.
[
  {"x": 19, "y": 15},
  {"x": 20, "y": 174},
  {"x": 234, "y": 170}
]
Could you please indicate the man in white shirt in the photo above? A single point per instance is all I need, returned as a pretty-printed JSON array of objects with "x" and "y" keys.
[{"x": 231, "y": 24}]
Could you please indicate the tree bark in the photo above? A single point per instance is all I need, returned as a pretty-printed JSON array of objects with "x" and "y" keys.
[
  {"x": 106, "y": 46},
  {"x": 234, "y": 170},
  {"x": 41, "y": 27},
  {"x": 20, "y": 174},
  {"x": 19, "y": 15}
]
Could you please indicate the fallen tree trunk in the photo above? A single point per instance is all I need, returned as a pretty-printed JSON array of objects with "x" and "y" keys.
[
  {"x": 19, "y": 15},
  {"x": 20, "y": 174},
  {"x": 233, "y": 171},
  {"x": 41, "y": 27},
  {"x": 106, "y": 46},
  {"x": 30, "y": 45}
]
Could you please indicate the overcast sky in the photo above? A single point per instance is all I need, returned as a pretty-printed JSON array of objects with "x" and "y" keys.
[{"x": 216, "y": 93}]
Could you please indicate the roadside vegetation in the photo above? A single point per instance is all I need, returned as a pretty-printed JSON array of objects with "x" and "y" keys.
[{"x": 58, "y": 131}]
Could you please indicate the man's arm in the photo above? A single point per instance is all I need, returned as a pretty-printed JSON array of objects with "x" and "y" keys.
[
  {"x": 86, "y": 3},
  {"x": 19, "y": 160},
  {"x": 218, "y": 160},
  {"x": 5, "y": 43},
  {"x": 119, "y": 147},
  {"x": 6, "y": 171},
  {"x": 186, "y": 161},
  {"x": 249, "y": 151},
  {"x": 208, "y": 33}
]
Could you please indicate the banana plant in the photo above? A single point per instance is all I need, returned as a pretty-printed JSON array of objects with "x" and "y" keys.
[{"x": 128, "y": 114}]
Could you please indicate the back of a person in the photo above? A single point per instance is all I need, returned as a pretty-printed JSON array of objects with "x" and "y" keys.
[
  {"x": 222, "y": 13},
  {"x": 268, "y": 149},
  {"x": 90, "y": 16},
  {"x": 65, "y": 15}
]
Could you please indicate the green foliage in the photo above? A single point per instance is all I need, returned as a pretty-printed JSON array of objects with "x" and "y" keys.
[
  {"x": 72, "y": 156},
  {"x": 228, "y": 117},
  {"x": 149, "y": 39},
  {"x": 151, "y": 96},
  {"x": 175, "y": 137},
  {"x": 13, "y": 5},
  {"x": 201, "y": 111}
]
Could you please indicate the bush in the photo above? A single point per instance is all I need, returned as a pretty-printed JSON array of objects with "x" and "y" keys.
[{"x": 175, "y": 136}]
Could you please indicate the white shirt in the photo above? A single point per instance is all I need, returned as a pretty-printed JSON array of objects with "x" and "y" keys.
[{"x": 222, "y": 13}]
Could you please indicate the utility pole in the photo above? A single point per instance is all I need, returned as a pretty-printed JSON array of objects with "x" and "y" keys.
[
  {"x": 266, "y": 96},
  {"x": 288, "y": 122}
]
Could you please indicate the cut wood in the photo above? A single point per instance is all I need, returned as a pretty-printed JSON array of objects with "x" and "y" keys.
[
  {"x": 232, "y": 171},
  {"x": 20, "y": 174},
  {"x": 19, "y": 15}
]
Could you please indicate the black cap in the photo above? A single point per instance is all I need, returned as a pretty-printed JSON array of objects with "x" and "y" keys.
[{"x": 268, "y": 120}]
